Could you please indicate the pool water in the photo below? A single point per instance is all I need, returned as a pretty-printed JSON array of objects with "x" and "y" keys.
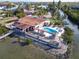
[{"x": 50, "y": 30}]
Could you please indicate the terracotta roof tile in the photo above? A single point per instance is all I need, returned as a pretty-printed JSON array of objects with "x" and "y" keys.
[{"x": 28, "y": 21}]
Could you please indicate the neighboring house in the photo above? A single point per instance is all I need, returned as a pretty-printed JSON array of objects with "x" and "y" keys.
[
  {"x": 2, "y": 15},
  {"x": 48, "y": 15},
  {"x": 2, "y": 7},
  {"x": 29, "y": 11},
  {"x": 12, "y": 8},
  {"x": 1, "y": 18},
  {"x": 43, "y": 6}
]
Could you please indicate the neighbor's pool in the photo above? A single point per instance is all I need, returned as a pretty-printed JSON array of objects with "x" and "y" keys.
[{"x": 50, "y": 30}]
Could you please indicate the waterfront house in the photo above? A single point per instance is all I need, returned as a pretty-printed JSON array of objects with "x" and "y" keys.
[
  {"x": 28, "y": 21},
  {"x": 30, "y": 24}
]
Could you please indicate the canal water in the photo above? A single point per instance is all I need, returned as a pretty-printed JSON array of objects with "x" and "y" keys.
[{"x": 75, "y": 52}]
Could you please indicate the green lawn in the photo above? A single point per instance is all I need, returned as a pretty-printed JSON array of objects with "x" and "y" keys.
[{"x": 15, "y": 51}]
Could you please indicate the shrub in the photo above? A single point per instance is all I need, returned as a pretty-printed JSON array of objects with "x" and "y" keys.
[
  {"x": 68, "y": 35},
  {"x": 3, "y": 30},
  {"x": 28, "y": 41}
]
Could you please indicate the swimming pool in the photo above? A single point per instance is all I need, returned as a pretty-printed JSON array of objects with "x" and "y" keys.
[{"x": 50, "y": 30}]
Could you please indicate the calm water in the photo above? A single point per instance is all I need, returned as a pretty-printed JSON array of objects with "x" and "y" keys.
[{"x": 76, "y": 37}]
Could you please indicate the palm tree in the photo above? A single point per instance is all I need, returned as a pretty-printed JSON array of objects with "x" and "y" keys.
[
  {"x": 59, "y": 4},
  {"x": 54, "y": 4},
  {"x": 41, "y": 11},
  {"x": 65, "y": 7}
]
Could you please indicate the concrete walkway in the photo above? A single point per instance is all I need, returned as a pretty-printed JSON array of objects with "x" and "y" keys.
[{"x": 5, "y": 35}]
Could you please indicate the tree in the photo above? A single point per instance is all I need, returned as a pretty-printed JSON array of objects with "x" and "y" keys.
[
  {"x": 68, "y": 31},
  {"x": 59, "y": 4},
  {"x": 27, "y": 6},
  {"x": 58, "y": 16},
  {"x": 41, "y": 11},
  {"x": 54, "y": 4},
  {"x": 66, "y": 7},
  {"x": 10, "y": 5},
  {"x": 19, "y": 13},
  {"x": 52, "y": 8},
  {"x": 53, "y": 12},
  {"x": 36, "y": 7}
]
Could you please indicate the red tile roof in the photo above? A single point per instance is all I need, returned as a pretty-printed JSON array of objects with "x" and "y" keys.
[{"x": 28, "y": 21}]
